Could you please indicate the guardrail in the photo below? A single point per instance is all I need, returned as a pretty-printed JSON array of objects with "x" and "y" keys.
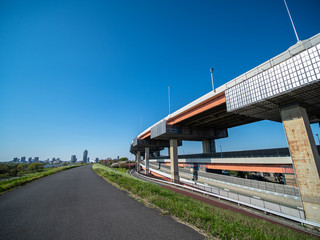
[
  {"x": 272, "y": 187},
  {"x": 273, "y": 152},
  {"x": 295, "y": 214}
]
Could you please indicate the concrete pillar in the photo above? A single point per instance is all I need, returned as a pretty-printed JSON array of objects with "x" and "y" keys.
[
  {"x": 305, "y": 158},
  {"x": 157, "y": 153},
  {"x": 195, "y": 172},
  {"x": 138, "y": 161},
  {"x": 146, "y": 158},
  {"x": 174, "y": 160},
  {"x": 208, "y": 146}
]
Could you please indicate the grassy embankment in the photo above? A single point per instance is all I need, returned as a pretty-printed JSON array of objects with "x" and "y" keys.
[
  {"x": 10, "y": 184},
  {"x": 215, "y": 222}
]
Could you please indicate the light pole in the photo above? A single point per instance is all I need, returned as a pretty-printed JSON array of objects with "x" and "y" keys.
[
  {"x": 211, "y": 71},
  {"x": 169, "y": 99},
  {"x": 294, "y": 28}
]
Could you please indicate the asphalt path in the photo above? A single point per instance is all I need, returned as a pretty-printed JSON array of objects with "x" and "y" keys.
[{"x": 78, "y": 204}]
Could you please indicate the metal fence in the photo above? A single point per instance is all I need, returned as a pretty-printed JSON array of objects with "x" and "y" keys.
[
  {"x": 296, "y": 214},
  {"x": 251, "y": 201},
  {"x": 272, "y": 187}
]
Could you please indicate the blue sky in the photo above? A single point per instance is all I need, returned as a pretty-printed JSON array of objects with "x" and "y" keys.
[{"x": 78, "y": 75}]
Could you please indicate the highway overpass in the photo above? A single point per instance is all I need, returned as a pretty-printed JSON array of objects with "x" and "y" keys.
[{"x": 285, "y": 89}]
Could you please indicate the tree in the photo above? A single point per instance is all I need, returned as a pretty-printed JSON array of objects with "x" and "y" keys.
[
  {"x": 36, "y": 167},
  {"x": 13, "y": 171},
  {"x": 4, "y": 168},
  {"x": 22, "y": 167}
]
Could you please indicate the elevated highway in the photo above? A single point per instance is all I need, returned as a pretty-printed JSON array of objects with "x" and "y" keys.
[{"x": 285, "y": 89}]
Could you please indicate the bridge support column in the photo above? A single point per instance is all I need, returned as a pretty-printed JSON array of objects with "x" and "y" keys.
[
  {"x": 146, "y": 158},
  {"x": 174, "y": 160},
  {"x": 305, "y": 158},
  {"x": 138, "y": 161},
  {"x": 208, "y": 146}
]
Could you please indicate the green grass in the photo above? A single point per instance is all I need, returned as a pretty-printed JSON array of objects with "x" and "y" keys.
[
  {"x": 10, "y": 184},
  {"x": 124, "y": 170},
  {"x": 215, "y": 222}
]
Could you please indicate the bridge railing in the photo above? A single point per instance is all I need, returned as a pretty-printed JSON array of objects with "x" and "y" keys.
[
  {"x": 274, "y": 152},
  {"x": 295, "y": 214},
  {"x": 252, "y": 201},
  {"x": 267, "y": 186}
]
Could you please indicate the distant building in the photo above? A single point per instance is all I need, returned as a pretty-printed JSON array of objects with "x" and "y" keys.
[
  {"x": 36, "y": 159},
  {"x": 30, "y": 160},
  {"x": 85, "y": 156},
  {"x": 16, "y": 160},
  {"x": 23, "y": 159},
  {"x": 97, "y": 160},
  {"x": 73, "y": 159}
]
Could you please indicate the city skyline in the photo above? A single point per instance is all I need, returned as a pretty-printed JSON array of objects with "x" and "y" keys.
[
  {"x": 93, "y": 75},
  {"x": 37, "y": 159}
]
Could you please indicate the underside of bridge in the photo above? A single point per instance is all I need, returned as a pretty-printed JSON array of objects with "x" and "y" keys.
[
  {"x": 284, "y": 89},
  {"x": 288, "y": 91},
  {"x": 269, "y": 109},
  {"x": 217, "y": 117}
]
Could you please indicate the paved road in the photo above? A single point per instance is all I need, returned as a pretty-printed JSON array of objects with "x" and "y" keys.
[{"x": 78, "y": 204}]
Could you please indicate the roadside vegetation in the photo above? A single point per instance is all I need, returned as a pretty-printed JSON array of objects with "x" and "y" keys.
[
  {"x": 123, "y": 170},
  {"x": 215, "y": 222},
  {"x": 11, "y": 170},
  {"x": 118, "y": 163},
  {"x": 20, "y": 174}
]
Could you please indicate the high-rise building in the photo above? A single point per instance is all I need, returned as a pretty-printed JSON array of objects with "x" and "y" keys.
[
  {"x": 85, "y": 156},
  {"x": 30, "y": 160},
  {"x": 97, "y": 160},
  {"x": 73, "y": 159},
  {"x": 23, "y": 159},
  {"x": 36, "y": 159}
]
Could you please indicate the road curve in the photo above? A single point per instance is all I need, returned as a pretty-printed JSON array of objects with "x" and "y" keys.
[{"x": 78, "y": 204}]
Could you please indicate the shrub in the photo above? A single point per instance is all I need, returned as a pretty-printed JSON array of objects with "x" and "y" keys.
[
  {"x": 122, "y": 164},
  {"x": 36, "y": 167},
  {"x": 22, "y": 167}
]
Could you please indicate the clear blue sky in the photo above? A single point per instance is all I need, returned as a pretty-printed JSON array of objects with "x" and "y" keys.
[{"x": 78, "y": 75}]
